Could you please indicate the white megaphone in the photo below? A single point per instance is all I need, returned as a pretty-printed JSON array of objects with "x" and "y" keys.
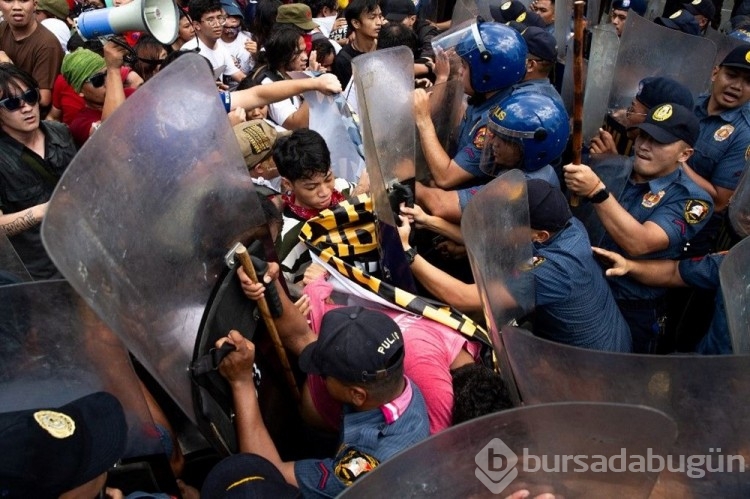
[{"x": 159, "y": 18}]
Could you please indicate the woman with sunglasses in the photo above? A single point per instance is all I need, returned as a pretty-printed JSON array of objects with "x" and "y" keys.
[{"x": 33, "y": 156}]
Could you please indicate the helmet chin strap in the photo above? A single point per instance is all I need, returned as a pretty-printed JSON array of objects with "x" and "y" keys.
[{"x": 483, "y": 52}]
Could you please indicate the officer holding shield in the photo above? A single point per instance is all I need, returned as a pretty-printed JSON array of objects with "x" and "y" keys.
[
  {"x": 493, "y": 58},
  {"x": 658, "y": 211}
]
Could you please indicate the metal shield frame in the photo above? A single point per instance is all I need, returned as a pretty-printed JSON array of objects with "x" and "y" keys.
[
  {"x": 735, "y": 286},
  {"x": 567, "y": 429},
  {"x": 705, "y": 395},
  {"x": 141, "y": 219},
  {"x": 55, "y": 350}
]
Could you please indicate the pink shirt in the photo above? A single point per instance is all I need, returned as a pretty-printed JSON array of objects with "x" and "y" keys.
[{"x": 430, "y": 348}]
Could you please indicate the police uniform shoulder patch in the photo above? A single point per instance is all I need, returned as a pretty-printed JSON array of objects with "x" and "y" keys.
[
  {"x": 57, "y": 424},
  {"x": 747, "y": 153},
  {"x": 695, "y": 211},
  {"x": 352, "y": 464},
  {"x": 723, "y": 133},
  {"x": 480, "y": 136}
]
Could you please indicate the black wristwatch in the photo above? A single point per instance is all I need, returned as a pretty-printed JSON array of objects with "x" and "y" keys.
[
  {"x": 411, "y": 254},
  {"x": 600, "y": 196}
]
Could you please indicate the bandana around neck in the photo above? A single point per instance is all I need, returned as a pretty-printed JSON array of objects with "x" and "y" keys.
[{"x": 308, "y": 213}]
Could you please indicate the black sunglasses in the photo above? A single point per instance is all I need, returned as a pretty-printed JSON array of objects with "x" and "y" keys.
[
  {"x": 30, "y": 97},
  {"x": 97, "y": 80}
]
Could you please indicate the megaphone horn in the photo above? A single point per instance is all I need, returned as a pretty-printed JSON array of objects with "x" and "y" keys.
[{"x": 159, "y": 18}]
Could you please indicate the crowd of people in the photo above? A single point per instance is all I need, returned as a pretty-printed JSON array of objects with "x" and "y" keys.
[{"x": 654, "y": 214}]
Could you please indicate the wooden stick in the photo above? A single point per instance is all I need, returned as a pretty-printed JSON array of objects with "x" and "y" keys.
[
  {"x": 578, "y": 7},
  {"x": 247, "y": 264}
]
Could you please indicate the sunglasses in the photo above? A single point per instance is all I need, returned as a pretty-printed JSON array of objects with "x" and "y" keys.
[
  {"x": 97, "y": 80},
  {"x": 30, "y": 97}
]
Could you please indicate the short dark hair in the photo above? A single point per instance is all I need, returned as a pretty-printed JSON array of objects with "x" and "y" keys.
[
  {"x": 301, "y": 155},
  {"x": 397, "y": 34},
  {"x": 282, "y": 45},
  {"x": 356, "y": 8},
  {"x": 316, "y": 6},
  {"x": 12, "y": 78},
  {"x": 477, "y": 391},
  {"x": 323, "y": 47},
  {"x": 196, "y": 8}
]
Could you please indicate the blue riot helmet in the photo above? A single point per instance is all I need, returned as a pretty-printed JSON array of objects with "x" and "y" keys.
[
  {"x": 495, "y": 54},
  {"x": 534, "y": 123}
]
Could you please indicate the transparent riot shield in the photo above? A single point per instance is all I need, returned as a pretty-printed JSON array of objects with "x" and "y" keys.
[
  {"x": 647, "y": 49},
  {"x": 142, "y": 218},
  {"x": 705, "y": 395},
  {"x": 527, "y": 448},
  {"x": 495, "y": 226},
  {"x": 463, "y": 11},
  {"x": 447, "y": 106},
  {"x": 384, "y": 80},
  {"x": 724, "y": 43},
  {"x": 563, "y": 28},
  {"x": 739, "y": 206},
  {"x": 55, "y": 350},
  {"x": 599, "y": 74},
  {"x": 654, "y": 9},
  {"x": 12, "y": 268},
  {"x": 735, "y": 286},
  {"x": 331, "y": 117}
]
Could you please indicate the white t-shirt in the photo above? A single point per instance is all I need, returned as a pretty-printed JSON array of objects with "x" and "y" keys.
[
  {"x": 280, "y": 111},
  {"x": 242, "y": 59},
  {"x": 219, "y": 58}
]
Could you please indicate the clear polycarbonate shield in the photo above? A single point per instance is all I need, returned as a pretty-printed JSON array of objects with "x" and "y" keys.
[
  {"x": 563, "y": 28},
  {"x": 56, "y": 350},
  {"x": 735, "y": 287},
  {"x": 142, "y": 218},
  {"x": 463, "y": 11},
  {"x": 647, "y": 49},
  {"x": 495, "y": 226},
  {"x": 739, "y": 206},
  {"x": 447, "y": 106},
  {"x": 12, "y": 268},
  {"x": 705, "y": 395},
  {"x": 388, "y": 133},
  {"x": 599, "y": 73},
  {"x": 724, "y": 44},
  {"x": 527, "y": 448},
  {"x": 331, "y": 117}
]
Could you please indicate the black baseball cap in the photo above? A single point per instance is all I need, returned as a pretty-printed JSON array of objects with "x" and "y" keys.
[
  {"x": 355, "y": 345},
  {"x": 540, "y": 43},
  {"x": 45, "y": 452},
  {"x": 654, "y": 90},
  {"x": 513, "y": 11},
  {"x": 548, "y": 208},
  {"x": 705, "y": 8},
  {"x": 397, "y": 10},
  {"x": 739, "y": 57},
  {"x": 668, "y": 123},
  {"x": 681, "y": 20},
  {"x": 246, "y": 476}
]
